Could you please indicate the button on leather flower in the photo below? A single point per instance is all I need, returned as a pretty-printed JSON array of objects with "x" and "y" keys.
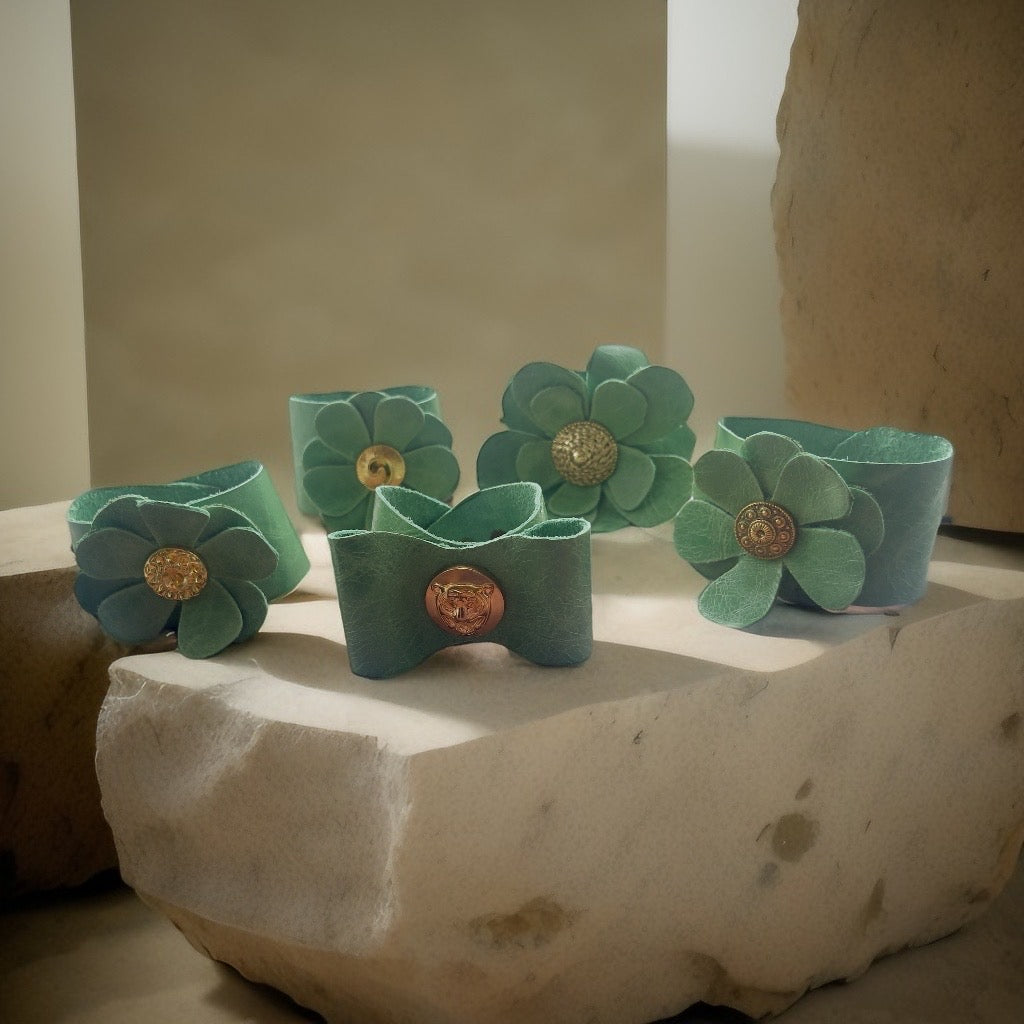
[
  {"x": 609, "y": 444},
  {"x": 773, "y": 521},
  {"x": 148, "y": 567},
  {"x": 372, "y": 439}
]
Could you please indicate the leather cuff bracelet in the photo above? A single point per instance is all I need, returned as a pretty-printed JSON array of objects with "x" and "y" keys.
[
  {"x": 493, "y": 568},
  {"x": 345, "y": 444},
  {"x": 906, "y": 474},
  {"x": 201, "y": 556}
]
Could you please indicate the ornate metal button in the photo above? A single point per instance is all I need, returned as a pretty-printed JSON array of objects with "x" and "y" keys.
[
  {"x": 175, "y": 573},
  {"x": 585, "y": 453},
  {"x": 464, "y": 601},
  {"x": 765, "y": 530},
  {"x": 380, "y": 464}
]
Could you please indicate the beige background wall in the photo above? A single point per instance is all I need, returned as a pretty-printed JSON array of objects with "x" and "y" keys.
[
  {"x": 283, "y": 197},
  {"x": 44, "y": 452}
]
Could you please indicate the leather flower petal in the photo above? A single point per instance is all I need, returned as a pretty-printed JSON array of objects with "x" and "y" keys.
[
  {"x": 743, "y": 595},
  {"x": 828, "y": 565},
  {"x": 618, "y": 407},
  {"x": 341, "y": 427},
  {"x": 135, "y": 614},
  {"x": 704, "y": 533},
  {"x": 432, "y": 470},
  {"x": 208, "y": 623},
  {"x": 726, "y": 480},
  {"x": 396, "y": 421}
]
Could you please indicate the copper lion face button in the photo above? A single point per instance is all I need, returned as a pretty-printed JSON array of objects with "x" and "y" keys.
[
  {"x": 464, "y": 601},
  {"x": 765, "y": 530},
  {"x": 380, "y": 464}
]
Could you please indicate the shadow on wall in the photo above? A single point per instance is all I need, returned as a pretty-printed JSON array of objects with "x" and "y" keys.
[{"x": 358, "y": 197}]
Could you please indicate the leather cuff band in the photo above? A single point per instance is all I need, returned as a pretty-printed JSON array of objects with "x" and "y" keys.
[
  {"x": 493, "y": 568},
  {"x": 908, "y": 474},
  {"x": 201, "y": 556}
]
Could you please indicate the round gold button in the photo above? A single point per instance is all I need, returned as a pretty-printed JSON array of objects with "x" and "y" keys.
[
  {"x": 765, "y": 530},
  {"x": 175, "y": 573},
  {"x": 380, "y": 464},
  {"x": 464, "y": 601},
  {"x": 585, "y": 453}
]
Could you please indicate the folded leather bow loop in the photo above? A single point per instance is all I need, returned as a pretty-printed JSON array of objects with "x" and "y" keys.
[
  {"x": 908, "y": 474},
  {"x": 523, "y": 581}
]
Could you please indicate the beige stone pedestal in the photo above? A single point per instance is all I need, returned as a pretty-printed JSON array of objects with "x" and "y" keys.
[
  {"x": 53, "y": 676},
  {"x": 694, "y": 814}
]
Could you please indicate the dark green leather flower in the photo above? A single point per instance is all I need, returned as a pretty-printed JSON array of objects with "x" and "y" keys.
[
  {"x": 609, "y": 444},
  {"x": 773, "y": 519},
  {"x": 148, "y": 567}
]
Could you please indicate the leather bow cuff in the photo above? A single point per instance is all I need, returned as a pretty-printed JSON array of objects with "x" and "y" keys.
[
  {"x": 907, "y": 474},
  {"x": 201, "y": 556},
  {"x": 493, "y": 568},
  {"x": 345, "y": 444}
]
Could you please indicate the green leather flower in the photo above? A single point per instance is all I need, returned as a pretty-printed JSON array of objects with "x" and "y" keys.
[
  {"x": 148, "y": 567},
  {"x": 774, "y": 520},
  {"x": 368, "y": 439},
  {"x": 609, "y": 444}
]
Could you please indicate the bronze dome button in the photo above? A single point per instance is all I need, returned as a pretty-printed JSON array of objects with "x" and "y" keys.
[
  {"x": 765, "y": 530},
  {"x": 380, "y": 464},
  {"x": 464, "y": 601},
  {"x": 584, "y": 453},
  {"x": 175, "y": 573}
]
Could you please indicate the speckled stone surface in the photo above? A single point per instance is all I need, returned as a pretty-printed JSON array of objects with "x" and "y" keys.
[
  {"x": 482, "y": 841},
  {"x": 53, "y": 676}
]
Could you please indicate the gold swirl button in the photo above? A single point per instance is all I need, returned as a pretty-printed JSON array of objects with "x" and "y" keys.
[
  {"x": 464, "y": 601},
  {"x": 765, "y": 530},
  {"x": 380, "y": 464},
  {"x": 584, "y": 453},
  {"x": 175, "y": 573}
]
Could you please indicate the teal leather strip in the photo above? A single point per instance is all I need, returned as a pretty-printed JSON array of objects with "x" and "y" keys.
[
  {"x": 246, "y": 487},
  {"x": 907, "y": 473},
  {"x": 302, "y": 410},
  {"x": 542, "y": 568}
]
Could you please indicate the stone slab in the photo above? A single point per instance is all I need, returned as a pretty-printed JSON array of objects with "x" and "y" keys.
[
  {"x": 54, "y": 661},
  {"x": 898, "y": 220},
  {"x": 700, "y": 814}
]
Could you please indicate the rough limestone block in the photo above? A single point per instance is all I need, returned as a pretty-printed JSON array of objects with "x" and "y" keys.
[
  {"x": 898, "y": 225},
  {"x": 53, "y": 676},
  {"x": 706, "y": 815}
]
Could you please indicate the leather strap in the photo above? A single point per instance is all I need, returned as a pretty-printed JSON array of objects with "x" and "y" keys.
[
  {"x": 245, "y": 487},
  {"x": 908, "y": 474}
]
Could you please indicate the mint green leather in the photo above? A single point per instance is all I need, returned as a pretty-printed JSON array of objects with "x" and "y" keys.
[
  {"x": 245, "y": 487},
  {"x": 542, "y": 567},
  {"x": 303, "y": 411},
  {"x": 908, "y": 474}
]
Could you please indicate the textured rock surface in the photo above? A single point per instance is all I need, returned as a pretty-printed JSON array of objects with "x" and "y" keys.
[
  {"x": 482, "y": 841},
  {"x": 898, "y": 221},
  {"x": 53, "y": 676}
]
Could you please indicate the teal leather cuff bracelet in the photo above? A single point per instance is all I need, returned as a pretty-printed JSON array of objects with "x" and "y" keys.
[
  {"x": 493, "y": 568},
  {"x": 907, "y": 474},
  {"x": 345, "y": 444},
  {"x": 201, "y": 556}
]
